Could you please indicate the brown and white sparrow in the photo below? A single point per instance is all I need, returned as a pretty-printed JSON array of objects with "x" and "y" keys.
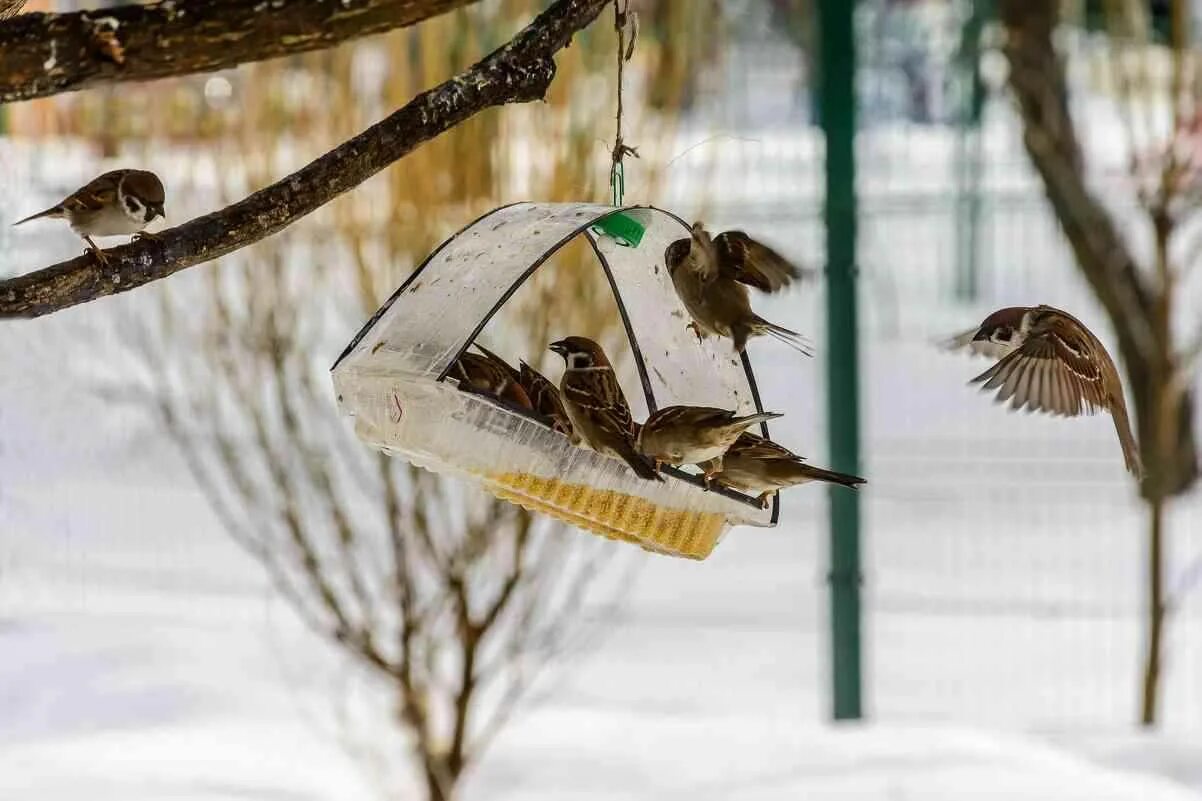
[
  {"x": 757, "y": 465},
  {"x": 10, "y": 8},
  {"x": 596, "y": 406},
  {"x": 546, "y": 399},
  {"x": 117, "y": 203},
  {"x": 489, "y": 375},
  {"x": 1050, "y": 362},
  {"x": 711, "y": 276},
  {"x": 679, "y": 435}
]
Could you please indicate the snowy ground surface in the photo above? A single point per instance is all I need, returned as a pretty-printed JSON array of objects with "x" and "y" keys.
[{"x": 143, "y": 657}]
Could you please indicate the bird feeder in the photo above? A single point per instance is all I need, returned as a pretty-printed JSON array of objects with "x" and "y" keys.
[{"x": 393, "y": 377}]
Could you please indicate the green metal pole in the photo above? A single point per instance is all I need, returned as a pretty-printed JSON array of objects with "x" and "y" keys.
[{"x": 838, "y": 106}]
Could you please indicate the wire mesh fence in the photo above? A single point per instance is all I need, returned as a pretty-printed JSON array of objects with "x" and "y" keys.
[{"x": 1005, "y": 554}]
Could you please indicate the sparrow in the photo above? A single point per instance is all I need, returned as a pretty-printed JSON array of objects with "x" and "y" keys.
[
  {"x": 755, "y": 464},
  {"x": 547, "y": 401},
  {"x": 1048, "y": 361},
  {"x": 711, "y": 276},
  {"x": 596, "y": 406},
  {"x": 489, "y": 375},
  {"x": 10, "y": 8},
  {"x": 693, "y": 434},
  {"x": 115, "y": 204}
]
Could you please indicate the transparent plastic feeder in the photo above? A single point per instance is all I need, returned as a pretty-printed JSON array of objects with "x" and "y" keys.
[{"x": 392, "y": 378}]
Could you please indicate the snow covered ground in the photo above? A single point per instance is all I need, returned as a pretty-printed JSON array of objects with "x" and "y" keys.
[{"x": 142, "y": 655}]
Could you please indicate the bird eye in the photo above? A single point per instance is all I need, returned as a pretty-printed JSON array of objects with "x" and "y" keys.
[{"x": 1003, "y": 334}]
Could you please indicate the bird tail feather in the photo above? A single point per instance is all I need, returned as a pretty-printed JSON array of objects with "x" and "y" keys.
[
  {"x": 832, "y": 477},
  {"x": 752, "y": 419},
  {"x": 789, "y": 337},
  {"x": 53, "y": 211},
  {"x": 1122, "y": 426}
]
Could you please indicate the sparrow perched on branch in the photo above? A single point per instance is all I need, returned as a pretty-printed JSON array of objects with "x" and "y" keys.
[
  {"x": 596, "y": 406},
  {"x": 694, "y": 434},
  {"x": 1050, "y": 362},
  {"x": 711, "y": 276},
  {"x": 757, "y": 465},
  {"x": 10, "y": 8},
  {"x": 115, "y": 204},
  {"x": 489, "y": 375}
]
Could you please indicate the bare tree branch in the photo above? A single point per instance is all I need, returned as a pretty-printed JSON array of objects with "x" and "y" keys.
[
  {"x": 520, "y": 71},
  {"x": 45, "y": 54}
]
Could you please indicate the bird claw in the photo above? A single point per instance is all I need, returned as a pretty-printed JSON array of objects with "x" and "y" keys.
[
  {"x": 696, "y": 331},
  {"x": 98, "y": 254},
  {"x": 140, "y": 235}
]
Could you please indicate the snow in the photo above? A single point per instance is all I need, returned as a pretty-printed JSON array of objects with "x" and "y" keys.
[{"x": 146, "y": 658}]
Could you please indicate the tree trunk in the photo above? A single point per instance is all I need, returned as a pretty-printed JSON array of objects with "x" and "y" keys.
[
  {"x": 440, "y": 785},
  {"x": 1156, "y": 612}
]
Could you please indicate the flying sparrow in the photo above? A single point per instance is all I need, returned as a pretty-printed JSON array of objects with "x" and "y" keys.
[
  {"x": 10, "y": 8},
  {"x": 693, "y": 434},
  {"x": 1050, "y": 362},
  {"x": 488, "y": 375},
  {"x": 596, "y": 406},
  {"x": 755, "y": 464},
  {"x": 115, "y": 204},
  {"x": 547, "y": 401},
  {"x": 711, "y": 276}
]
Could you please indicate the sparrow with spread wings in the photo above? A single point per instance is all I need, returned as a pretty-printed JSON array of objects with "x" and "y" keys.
[
  {"x": 597, "y": 407},
  {"x": 711, "y": 276},
  {"x": 757, "y": 465},
  {"x": 1048, "y": 361},
  {"x": 679, "y": 435}
]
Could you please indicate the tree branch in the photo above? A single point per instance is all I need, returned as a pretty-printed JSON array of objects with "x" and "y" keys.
[
  {"x": 45, "y": 54},
  {"x": 520, "y": 71}
]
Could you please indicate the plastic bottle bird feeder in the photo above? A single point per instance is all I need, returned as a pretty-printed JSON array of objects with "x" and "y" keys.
[{"x": 392, "y": 378}]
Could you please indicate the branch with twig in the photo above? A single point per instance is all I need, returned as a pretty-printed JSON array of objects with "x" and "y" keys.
[
  {"x": 46, "y": 54},
  {"x": 520, "y": 71}
]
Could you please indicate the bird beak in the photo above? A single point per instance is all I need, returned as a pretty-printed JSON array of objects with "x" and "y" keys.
[
  {"x": 559, "y": 347},
  {"x": 161, "y": 211},
  {"x": 981, "y": 336}
]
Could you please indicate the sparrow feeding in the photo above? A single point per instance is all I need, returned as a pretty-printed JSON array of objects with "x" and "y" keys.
[
  {"x": 694, "y": 434},
  {"x": 1050, "y": 362},
  {"x": 546, "y": 399},
  {"x": 596, "y": 406},
  {"x": 711, "y": 276},
  {"x": 757, "y": 465},
  {"x": 117, "y": 203},
  {"x": 490, "y": 375}
]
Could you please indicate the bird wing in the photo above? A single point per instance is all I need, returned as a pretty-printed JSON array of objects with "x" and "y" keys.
[
  {"x": 753, "y": 446},
  {"x": 599, "y": 394},
  {"x": 509, "y": 370},
  {"x": 753, "y": 263},
  {"x": 95, "y": 195},
  {"x": 544, "y": 395},
  {"x": 692, "y": 416},
  {"x": 1055, "y": 370}
]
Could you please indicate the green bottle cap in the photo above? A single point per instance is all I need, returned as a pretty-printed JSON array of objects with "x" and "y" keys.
[{"x": 625, "y": 229}]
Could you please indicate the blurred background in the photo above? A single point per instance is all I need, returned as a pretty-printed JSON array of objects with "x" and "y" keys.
[{"x": 210, "y": 590}]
